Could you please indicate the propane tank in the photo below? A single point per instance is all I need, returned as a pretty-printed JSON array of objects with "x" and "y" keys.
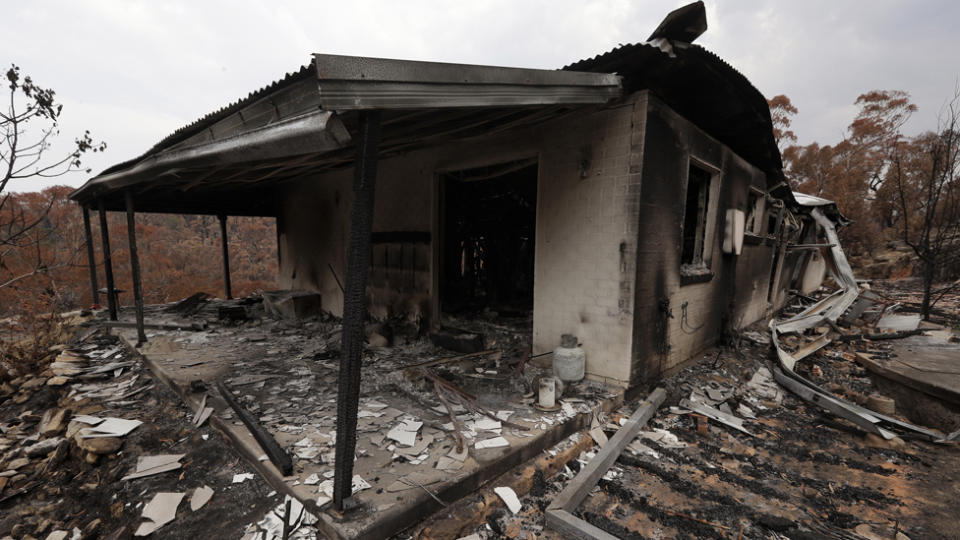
[{"x": 569, "y": 360}]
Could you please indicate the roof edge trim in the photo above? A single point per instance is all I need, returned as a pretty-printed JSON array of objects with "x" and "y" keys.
[
  {"x": 331, "y": 67},
  {"x": 314, "y": 132}
]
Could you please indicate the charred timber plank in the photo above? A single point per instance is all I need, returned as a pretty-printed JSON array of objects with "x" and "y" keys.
[
  {"x": 276, "y": 454},
  {"x": 590, "y": 474},
  {"x": 570, "y": 526},
  {"x": 195, "y": 327}
]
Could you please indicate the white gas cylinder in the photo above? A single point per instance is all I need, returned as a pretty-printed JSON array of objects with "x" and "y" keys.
[{"x": 569, "y": 360}]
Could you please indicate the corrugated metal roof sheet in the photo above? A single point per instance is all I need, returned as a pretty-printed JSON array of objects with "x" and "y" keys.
[
  {"x": 306, "y": 71},
  {"x": 703, "y": 88}
]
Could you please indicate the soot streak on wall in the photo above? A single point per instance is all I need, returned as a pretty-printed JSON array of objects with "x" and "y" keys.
[{"x": 736, "y": 292}]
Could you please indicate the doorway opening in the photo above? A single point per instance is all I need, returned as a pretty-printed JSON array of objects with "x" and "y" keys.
[{"x": 488, "y": 224}]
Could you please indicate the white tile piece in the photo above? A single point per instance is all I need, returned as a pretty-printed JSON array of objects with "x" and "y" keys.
[
  {"x": 509, "y": 498},
  {"x": 161, "y": 509},
  {"x": 200, "y": 497},
  {"x": 495, "y": 442},
  {"x": 486, "y": 424},
  {"x": 110, "y": 427},
  {"x": 405, "y": 432}
]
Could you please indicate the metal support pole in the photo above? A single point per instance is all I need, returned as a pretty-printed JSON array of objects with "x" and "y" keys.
[
  {"x": 94, "y": 292},
  {"x": 107, "y": 262},
  {"x": 226, "y": 255},
  {"x": 354, "y": 308},
  {"x": 135, "y": 267}
]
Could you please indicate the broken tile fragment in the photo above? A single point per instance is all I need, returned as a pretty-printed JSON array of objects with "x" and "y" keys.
[
  {"x": 200, "y": 497},
  {"x": 110, "y": 427},
  {"x": 598, "y": 436},
  {"x": 449, "y": 464},
  {"x": 495, "y": 442},
  {"x": 405, "y": 432},
  {"x": 415, "y": 480},
  {"x": 238, "y": 478},
  {"x": 509, "y": 498},
  {"x": 161, "y": 509}
]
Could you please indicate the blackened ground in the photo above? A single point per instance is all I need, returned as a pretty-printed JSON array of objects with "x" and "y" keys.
[
  {"x": 804, "y": 467},
  {"x": 74, "y": 493},
  {"x": 806, "y": 473}
]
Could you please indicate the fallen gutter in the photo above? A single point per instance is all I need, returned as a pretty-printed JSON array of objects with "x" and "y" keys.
[{"x": 828, "y": 310}]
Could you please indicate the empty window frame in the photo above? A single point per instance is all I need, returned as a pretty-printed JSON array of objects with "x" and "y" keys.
[
  {"x": 695, "y": 216},
  {"x": 774, "y": 218},
  {"x": 754, "y": 224}
]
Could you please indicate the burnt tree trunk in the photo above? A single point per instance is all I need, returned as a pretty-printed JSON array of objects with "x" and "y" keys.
[{"x": 927, "y": 288}]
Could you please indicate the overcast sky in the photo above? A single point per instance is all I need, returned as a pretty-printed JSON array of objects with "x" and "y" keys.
[{"x": 132, "y": 72}]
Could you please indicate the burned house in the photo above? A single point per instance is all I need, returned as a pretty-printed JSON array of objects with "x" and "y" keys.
[
  {"x": 635, "y": 200},
  {"x": 601, "y": 198}
]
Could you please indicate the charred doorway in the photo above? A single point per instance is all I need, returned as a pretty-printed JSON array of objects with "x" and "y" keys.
[{"x": 488, "y": 222}]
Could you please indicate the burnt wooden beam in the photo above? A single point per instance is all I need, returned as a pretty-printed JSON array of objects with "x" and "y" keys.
[
  {"x": 107, "y": 262},
  {"x": 226, "y": 255},
  {"x": 354, "y": 308},
  {"x": 91, "y": 260},
  {"x": 192, "y": 327},
  {"x": 135, "y": 267},
  {"x": 559, "y": 515},
  {"x": 273, "y": 450}
]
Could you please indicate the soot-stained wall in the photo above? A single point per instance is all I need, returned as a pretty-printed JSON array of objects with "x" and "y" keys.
[
  {"x": 586, "y": 220},
  {"x": 676, "y": 316}
]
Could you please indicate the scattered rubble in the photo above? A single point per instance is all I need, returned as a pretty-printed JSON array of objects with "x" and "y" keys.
[
  {"x": 729, "y": 452},
  {"x": 83, "y": 444},
  {"x": 804, "y": 473}
]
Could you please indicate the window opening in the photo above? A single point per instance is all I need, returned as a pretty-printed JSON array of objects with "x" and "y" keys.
[{"x": 695, "y": 216}]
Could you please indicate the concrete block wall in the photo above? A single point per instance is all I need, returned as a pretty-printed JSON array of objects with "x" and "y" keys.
[
  {"x": 586, "y": 241},
  {"x": 667, "y": 334}
]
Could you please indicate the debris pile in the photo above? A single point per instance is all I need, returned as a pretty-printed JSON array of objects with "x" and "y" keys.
[
  {"x": 91, "y": 447},
  {"x": 426, "y": 420}
]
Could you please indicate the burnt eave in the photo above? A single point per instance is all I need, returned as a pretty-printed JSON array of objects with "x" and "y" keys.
[{"x": 304, "y": 125}]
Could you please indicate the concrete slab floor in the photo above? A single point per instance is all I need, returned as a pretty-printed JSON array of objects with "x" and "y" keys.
[{"x": 286, "y": 374}]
